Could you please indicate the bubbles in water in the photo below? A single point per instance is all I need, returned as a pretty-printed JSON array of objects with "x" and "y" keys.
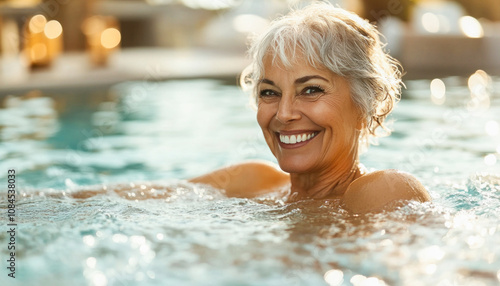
[{"x": 471, "y": 27}]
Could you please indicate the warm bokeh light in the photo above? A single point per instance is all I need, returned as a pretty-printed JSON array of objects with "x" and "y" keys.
[
  {"x": 478, "y": 81},
  {"x": 438, "y": 91},
  {"x": 471, "y": 27},
  {"x": 53, "y": 29},
  {"x": 38, "y": 52},
  {"x": 430, "y": 22},
  {"x": 37, "y": 24},
  {"x": 93, "y": 25},
  {"x": 110, "y": 38}
]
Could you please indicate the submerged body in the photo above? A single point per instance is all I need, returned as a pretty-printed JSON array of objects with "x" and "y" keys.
[{"x": 371, "y": 192}]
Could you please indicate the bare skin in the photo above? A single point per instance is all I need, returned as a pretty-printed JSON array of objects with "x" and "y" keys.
[{"x": 311, "y": 125}]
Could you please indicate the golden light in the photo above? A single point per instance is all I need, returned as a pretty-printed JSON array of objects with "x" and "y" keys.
[
  {"x": 103, "y": 36},
  {"x": 478, "y": 81},
  {"x": 438, "y": 91},
  {"x": 53, "y": 29},
  {"x": 37, "y": 24},
  {"x": 471, "y": 27},
  {"x": 430, "y": 22},
  {"x": 24, "y": 3},
  {"x": 93, "y": 25},
  {"x": 38, "y": 52},
  {"x": 110, "y": 38}
]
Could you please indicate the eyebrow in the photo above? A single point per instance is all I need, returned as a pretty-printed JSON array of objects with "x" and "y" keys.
[
  {"x": 309, "y": 77},
  {"x": 297, "y": 81},
  {"x": 268, "y": 81}
]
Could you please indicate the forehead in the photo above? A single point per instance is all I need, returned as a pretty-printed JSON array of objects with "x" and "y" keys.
[{"x": 295, "y": 66}]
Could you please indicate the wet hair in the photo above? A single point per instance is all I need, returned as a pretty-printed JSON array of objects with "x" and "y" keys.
[{"x": 347, "y": 45}]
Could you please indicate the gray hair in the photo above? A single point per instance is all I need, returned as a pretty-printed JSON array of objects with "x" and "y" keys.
[{"x": 345, "y": 44}]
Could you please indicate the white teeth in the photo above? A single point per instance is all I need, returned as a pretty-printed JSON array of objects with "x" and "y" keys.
[{"x": 296, "y": 138}]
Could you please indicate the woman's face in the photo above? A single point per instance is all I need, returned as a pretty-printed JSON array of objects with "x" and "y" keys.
[{"x": 307, "y": 116}]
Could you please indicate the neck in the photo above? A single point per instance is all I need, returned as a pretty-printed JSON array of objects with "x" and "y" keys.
[{"x": 324, "y": 184}]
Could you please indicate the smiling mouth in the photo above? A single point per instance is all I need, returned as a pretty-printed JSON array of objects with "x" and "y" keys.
[{"x": 296, "y": 138}]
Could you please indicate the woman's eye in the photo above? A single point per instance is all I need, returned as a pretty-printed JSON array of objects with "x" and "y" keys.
[
  {"x": 267, "y": 93},
  {"x": 312, "y": 90}
]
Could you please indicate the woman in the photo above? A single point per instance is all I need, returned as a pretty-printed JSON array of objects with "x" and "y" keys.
[{"x": 323, "y": 85}]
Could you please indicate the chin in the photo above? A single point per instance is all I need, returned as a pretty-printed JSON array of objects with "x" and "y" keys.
[{"x": 293, "y": 166}]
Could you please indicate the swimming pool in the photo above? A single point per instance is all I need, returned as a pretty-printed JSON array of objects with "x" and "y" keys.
[{"x": 161, "y": 132}]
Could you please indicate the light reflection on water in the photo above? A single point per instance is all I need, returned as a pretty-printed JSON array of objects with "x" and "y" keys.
[{"x": 173, "y": 233}]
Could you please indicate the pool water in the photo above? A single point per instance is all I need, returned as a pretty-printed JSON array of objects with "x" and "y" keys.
[{"x": 144, "y": 138}]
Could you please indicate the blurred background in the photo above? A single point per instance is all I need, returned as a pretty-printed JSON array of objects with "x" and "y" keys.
[
  {"x": 60, "y": 43},
  {"x": 78, "y": 76}
]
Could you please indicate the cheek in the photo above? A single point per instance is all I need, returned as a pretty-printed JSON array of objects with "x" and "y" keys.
[{"x": 264, "y": 115}]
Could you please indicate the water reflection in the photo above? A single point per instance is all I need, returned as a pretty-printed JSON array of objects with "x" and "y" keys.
[
  {"x": 479, "y": 85},
  {"x": 438, "y": 91},
  {"x": 31, "y": 116}
]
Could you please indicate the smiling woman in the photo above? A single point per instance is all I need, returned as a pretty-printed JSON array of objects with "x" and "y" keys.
[{"x": 323, "y": 85}]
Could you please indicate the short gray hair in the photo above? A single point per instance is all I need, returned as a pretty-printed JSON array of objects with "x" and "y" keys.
[{"x": 342, "y": 42}]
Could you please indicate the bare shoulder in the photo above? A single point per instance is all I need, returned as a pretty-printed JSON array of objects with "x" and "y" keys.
[
  {"x": 246, "y": 179},
  {"x": 374, "y": 191}
]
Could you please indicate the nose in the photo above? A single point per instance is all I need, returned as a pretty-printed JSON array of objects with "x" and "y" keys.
[{"x": 287, "y": 110}]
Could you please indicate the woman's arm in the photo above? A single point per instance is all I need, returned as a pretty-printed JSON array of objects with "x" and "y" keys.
[
  {"x": 374, "y": 191},
  {"x": 248, "y": 179}
]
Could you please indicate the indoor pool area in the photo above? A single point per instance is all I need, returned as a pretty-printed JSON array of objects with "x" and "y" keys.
[{"x": 132, "y": 146}]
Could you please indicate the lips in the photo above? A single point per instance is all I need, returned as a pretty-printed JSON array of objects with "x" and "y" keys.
[{"x": 296, "y": 138}]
